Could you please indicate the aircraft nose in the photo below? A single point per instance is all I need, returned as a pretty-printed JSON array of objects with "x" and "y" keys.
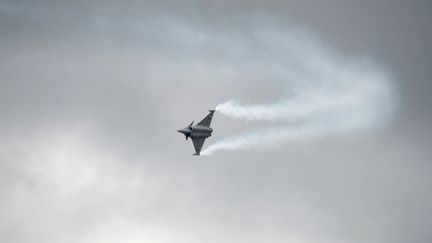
[{"x": 181, "y": 131}]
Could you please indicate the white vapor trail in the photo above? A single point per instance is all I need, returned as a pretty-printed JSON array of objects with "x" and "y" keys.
[
  {"x": 331, "y": 95},
  {"x": 326, "y": 93}
]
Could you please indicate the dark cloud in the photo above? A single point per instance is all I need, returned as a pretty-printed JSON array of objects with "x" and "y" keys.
[{"x": 91, "y": 94}]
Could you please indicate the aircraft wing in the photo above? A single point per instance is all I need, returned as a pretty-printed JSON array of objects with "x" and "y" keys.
[
  {"x": 207, "y": 120},
  {"x": 198, "y": 143}
]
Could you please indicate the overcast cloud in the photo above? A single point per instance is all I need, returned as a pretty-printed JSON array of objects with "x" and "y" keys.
[{"x": 92, "y": 92}]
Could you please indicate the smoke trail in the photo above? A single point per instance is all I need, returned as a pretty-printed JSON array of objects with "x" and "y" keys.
[
  {"x": 333, "y": 95},
  {"x": 326, "y": 93}
]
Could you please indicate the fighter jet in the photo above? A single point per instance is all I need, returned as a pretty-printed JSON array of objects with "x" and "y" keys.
[{"x": 199, "y": 132}]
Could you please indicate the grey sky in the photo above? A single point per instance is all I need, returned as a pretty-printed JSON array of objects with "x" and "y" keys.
[{"x": 92, "y": 92}]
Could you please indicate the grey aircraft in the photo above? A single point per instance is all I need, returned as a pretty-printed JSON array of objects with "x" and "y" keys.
[{"x": 199, "y": 132}]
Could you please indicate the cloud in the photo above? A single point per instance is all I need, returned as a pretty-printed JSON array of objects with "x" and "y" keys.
[{"x": 92, "y": 94}]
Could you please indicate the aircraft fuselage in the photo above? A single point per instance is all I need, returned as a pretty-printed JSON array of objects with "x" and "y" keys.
[
  {"x": 199, "y": 132},
  {"x": 196, "y": 131}
]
